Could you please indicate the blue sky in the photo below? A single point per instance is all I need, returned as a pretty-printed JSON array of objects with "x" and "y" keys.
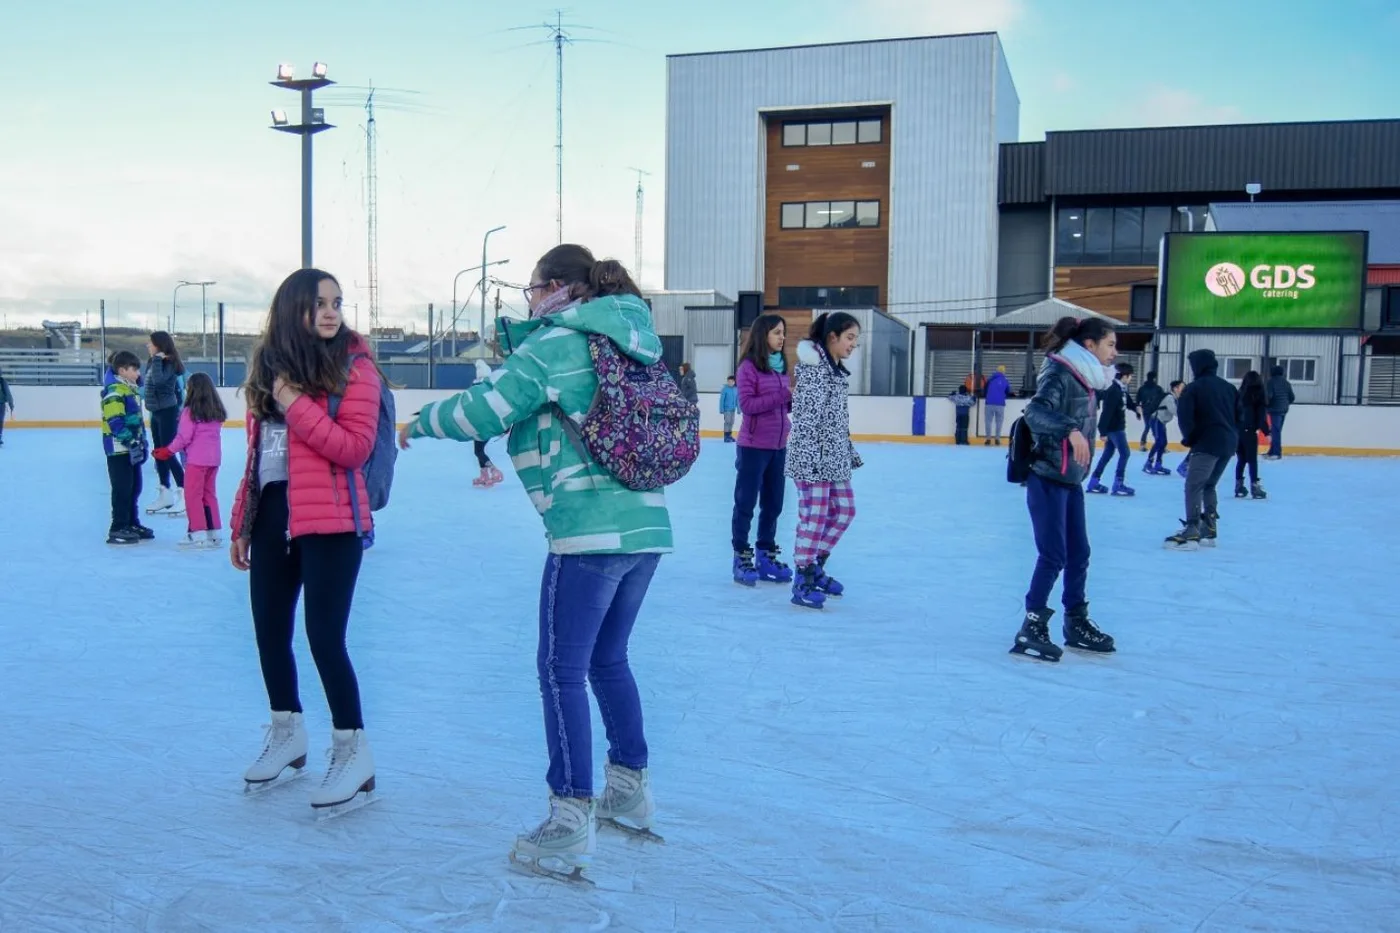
[{"x": 134, "y": 150}]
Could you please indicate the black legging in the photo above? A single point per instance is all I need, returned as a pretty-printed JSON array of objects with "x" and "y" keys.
[
  {"x": 326, "y": 568},
  {"x": 1247, "y": 454},
  {"x": 164, "y": 425},
  {"x": 482, "y": 460}
]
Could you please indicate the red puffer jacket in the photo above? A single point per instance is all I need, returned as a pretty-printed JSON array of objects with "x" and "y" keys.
[{"x": 320, "y": 451}]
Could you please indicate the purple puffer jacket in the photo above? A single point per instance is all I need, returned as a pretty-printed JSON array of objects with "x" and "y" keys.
[{"x": 765, "y": 399}]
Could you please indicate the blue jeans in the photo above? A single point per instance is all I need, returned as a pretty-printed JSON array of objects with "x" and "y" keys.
[
  {"x": 1061, "y": 541},
  {"x": 1159, "y": 441},
  {"x": 1114, "y": 440},
  {"x": 588, "y": 605},
  {"x": 760, "y": 481},
  {"x": 1276, "y": 433}
]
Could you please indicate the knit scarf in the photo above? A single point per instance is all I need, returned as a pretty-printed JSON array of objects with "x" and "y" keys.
[
  {"x": 777, "y": 362},
  {"x": 1095, "y": 374}
]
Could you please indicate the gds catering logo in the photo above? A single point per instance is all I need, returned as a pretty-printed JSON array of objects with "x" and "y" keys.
[{"x": 1226, "y": 279}]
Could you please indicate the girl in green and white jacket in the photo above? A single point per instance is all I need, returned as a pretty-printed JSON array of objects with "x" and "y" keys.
[{"x": 605, "y": 540}]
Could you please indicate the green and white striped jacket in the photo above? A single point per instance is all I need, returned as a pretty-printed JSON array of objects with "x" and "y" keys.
[{"x": 585, "y": 510}]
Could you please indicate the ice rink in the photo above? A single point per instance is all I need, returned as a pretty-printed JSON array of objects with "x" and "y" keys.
[{"x": 882, "y": 765}]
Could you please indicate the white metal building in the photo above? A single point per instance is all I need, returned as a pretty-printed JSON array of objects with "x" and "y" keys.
[{"x": 951, "y": 103}]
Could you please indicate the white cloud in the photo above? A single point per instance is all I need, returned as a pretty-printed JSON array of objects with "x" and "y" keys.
[
  {"x": 1160, "y": 105},
  {"x": 935, "y": 17}
]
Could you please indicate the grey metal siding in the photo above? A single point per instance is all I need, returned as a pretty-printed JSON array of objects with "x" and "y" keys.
[
  {"x": 1023, "y": 257},
  {"x": 1021, "y": 174},
  {"x": 1202, "y": 159},
  {"x": 1008, "y": 102},
  {"x": 1325, "y": 349},
  {"x": 942, "y": 212}
]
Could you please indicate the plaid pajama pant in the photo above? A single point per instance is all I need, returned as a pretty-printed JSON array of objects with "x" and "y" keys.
[{"x": 824, "y": 512}]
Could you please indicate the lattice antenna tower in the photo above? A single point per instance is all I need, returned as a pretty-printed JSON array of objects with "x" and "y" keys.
[
  {"x": 637, "y": 246},
  {"x": 372, "y": 208}
]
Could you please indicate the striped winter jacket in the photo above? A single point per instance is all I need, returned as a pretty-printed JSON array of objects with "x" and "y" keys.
[
  {"x": 585, "y": 509},
  {"x": 122, "y": 424}
]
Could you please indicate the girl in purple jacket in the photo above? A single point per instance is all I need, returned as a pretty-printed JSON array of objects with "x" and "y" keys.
[{"x": 765, "y": 399}]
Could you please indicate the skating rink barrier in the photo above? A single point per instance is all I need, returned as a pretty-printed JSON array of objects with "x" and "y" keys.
[{"x": 1310, "y": 429}]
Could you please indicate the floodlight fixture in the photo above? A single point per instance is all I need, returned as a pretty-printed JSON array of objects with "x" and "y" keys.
[
  {"x": 286, "y": 72},
  {"x": 279, "y": 118},
  {"x": 318, "y": 70}
]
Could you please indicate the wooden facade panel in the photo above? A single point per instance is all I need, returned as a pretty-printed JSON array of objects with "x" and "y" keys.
[
  {"x": 1105, "y": 289},
  {"x": 842, "y": 257}
]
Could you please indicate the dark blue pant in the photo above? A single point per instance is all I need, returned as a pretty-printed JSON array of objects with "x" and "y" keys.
[
  {"x": 760, "y": 482},
  {"x": 588, "y": 605},
  {"x": 1114, "y": 440},
  {"x": 1061, "y": 541},
  {"x": 1276, "y": 433},
  {"x": 1159, "y": 442}
]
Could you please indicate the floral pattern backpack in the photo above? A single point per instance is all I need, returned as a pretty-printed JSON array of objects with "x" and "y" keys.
[{"x": 640, "y": 428}]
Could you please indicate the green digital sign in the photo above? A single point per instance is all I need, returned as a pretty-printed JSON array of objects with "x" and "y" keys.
[{"x": 1266, "y": 281}]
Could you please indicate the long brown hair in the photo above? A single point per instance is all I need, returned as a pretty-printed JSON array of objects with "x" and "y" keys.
[
  {"x": 585, "y": 276},
  {"x": 164, "y": 343},
  {"x": 756, "y": 349},
  {"x": 1077, "y": 329},
  {"x": 203, "y": 401},
  {"x": 289, "y": 347}
]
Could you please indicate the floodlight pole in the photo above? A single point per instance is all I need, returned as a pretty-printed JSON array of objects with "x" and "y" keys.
[{"x": 312, "y": 122}]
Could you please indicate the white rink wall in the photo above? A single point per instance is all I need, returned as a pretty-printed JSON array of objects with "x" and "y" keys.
[{"x": 1310, "y": 428}]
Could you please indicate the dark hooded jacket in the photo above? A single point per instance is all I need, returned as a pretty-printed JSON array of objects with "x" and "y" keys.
[
  {"x": 1114, "y": 403},
  {"x": 1206, "y": 409},
  {"x": 1280, "y": 392}
]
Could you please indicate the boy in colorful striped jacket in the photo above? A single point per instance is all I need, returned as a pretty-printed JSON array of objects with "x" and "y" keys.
[{"x": 124, "y": 441}]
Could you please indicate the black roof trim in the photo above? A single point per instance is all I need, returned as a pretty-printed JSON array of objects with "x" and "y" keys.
[{"x": 828, "y": 45}]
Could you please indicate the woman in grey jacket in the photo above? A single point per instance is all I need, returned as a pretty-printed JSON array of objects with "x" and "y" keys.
[
  {"x": 1062, "y": 417},
  {"x": 161, "y": 387}
]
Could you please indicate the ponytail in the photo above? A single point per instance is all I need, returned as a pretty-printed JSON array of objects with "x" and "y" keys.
[
  {"x": 575, "y": 267},
  {"x": 1075, "y": 329}
]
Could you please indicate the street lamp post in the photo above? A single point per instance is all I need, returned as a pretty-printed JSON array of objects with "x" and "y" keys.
[
  {"x": 313, "y": 121},
  {"x": 174, "y": 295},
  {"x": 455, "y": 310},
  {"x": 481, "y": 331}
]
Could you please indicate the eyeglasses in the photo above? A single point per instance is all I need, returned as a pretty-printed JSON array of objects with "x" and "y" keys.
[{"x": 531, "y": 288}]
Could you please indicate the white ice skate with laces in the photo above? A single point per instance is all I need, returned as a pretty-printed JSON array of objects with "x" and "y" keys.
[
  {"x": 627, "y": 804},
  {"x": 283, "y": 748},
  {"x": 349, "y": 781},
  {"x": 562, "y": 846},
  {"x": 162, "y": 505}
]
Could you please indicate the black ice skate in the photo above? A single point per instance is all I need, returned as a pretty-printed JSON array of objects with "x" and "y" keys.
[
  {"x": 1209, "y": 529},
  {"x": 1080, "y": 632},
  {"x": 1187, "y": 539},
  {"x": 1256, "y": 490},
  {"x": 1240, "y": 491},
  {"x": 1033, "y": 640}
]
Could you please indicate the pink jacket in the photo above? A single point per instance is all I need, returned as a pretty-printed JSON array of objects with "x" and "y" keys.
[
  {"x": 202, "y": 441},
  {"x": 321, "y": 452}
]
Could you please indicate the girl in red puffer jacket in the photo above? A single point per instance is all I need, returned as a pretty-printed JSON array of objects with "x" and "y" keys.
[{"x": 293, "y": 526}]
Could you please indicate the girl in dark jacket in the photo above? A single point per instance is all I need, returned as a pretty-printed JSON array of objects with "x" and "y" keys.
[
  {"x": 1251, "y": 417},
  {"x": 1062, "y": 417},
  {"x": 765, "y": 398},
  {"x": 164, "y": 397}
]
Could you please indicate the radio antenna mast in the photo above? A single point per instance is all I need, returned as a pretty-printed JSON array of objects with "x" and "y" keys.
[{"x": 637, "y": 258}]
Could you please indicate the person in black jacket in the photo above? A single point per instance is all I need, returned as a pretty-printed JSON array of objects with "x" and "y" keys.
[
  {"x": 1281, "y": 398},
  {"x": 1206, "y": 415},
  {"x": 1113, "y": 425},
  {"x": 7, "y": 400},
  {"x": 1251, "y": 418},
  {"x": 1061, "y": 419},
  {"x": 1149, "y": 399},
  {"x": 161, "y": 388}
]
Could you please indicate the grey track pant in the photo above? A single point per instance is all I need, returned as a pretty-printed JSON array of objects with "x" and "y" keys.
[
  {"x": 1203, "y": 472},
  {"x": 995, "y": 415}
]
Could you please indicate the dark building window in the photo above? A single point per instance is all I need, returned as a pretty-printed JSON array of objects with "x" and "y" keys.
[
  {"x": 1392, "y": 306},
  {"x": 829, "y": 296},
  {"x": 1143, "y": 308},
  {"x": 829, "y": 133},
  {"x": 1119, "y": 236},
  {"x": 818, "y": 215}
]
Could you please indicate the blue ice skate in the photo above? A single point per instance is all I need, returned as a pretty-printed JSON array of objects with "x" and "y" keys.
[
  {"x": 770, "y": 569},
  {"x": 804, "y": 589},
  {"x": 745, "y": 573}
]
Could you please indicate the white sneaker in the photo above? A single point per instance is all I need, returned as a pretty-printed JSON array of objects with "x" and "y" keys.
[
  {"x": 351, "y": 770},
  {"x": 627, "y": 798},
  {"x": 285, "y": 747},
  {"x": 163, "y": 502},
  {"x": 569, "y": 836}
]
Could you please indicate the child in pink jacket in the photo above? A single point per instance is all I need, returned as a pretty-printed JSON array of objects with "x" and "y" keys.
[{"x": 200, "y": 436}]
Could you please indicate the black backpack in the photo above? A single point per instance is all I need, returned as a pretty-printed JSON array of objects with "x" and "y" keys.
[{"x": 1020, "y": 455}]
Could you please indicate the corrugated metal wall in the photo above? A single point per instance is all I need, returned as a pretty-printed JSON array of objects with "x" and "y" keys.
[
  {"x": 1021, "y": 176},
  {"x": 945, "y": 134},
  {"x": 668, "y": 308}
]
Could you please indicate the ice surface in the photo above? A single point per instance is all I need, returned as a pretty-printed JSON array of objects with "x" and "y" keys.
[{"x": 883, "y": 765}]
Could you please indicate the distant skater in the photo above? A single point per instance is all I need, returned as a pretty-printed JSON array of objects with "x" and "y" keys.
[
  {"x": 729, "y": 407},
  {"x": 1115, "y": 403},
  {"x": 760, "y": 480},
  {"x": 1206, "y": 412},
  {"x": 1251, "y": 418},
  {"x": 998, "y": 388},
  {"x": 200, "y": 437}
]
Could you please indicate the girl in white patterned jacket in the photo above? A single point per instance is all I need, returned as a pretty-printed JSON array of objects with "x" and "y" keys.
[{"x": 820, "y": 454}]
